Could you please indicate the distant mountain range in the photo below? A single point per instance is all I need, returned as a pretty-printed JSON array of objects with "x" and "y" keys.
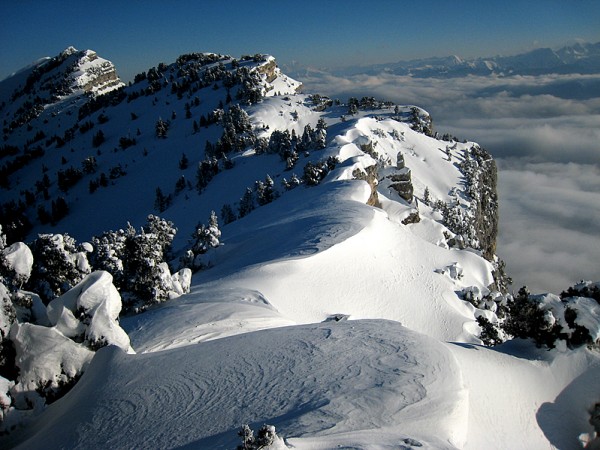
[{"x": 581, "y": 58}]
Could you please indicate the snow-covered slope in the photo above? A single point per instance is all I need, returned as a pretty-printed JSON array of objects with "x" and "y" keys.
[
  {"x": 344, "y": 383},
  {"x": 351, "y": 384}
]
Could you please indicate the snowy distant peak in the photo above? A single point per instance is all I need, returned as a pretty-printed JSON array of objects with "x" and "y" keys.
[
  {"x": 69, "y": 51},
  {"x": 578, "y": 58}
]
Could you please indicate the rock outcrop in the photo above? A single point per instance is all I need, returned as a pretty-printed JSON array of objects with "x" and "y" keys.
[{"x": 402, "y": 180}]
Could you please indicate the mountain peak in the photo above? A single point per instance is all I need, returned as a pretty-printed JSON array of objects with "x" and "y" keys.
[
  {"x": 53, "y": 81},
  {"x": 69, "y": 51}
]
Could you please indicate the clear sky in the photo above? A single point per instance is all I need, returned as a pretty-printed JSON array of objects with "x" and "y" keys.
[{"x": 136, "y": 35}]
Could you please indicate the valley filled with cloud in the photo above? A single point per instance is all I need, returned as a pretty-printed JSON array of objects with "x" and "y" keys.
[{"x": 544, "y": 132}]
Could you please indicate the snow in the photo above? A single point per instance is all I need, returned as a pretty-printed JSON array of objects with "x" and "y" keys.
[
  {"x": 523, "y": 401},
  {"x": 44, "y": 355},
  {"x": 588, "y": 314},
  {"x": 19, "y": 259},
  {"x": 96, "y": 298},
  {"x": 204, "y": 315},
  {"x": 245, "y": 341},
  {"x": 322, "y": 386}
]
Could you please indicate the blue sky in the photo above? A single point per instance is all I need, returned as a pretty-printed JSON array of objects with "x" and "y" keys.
[{"x": 136, "y": 35}]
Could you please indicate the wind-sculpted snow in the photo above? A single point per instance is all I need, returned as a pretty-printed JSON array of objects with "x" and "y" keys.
[
  {"x": 322, "y": 386},
  {"x": 204, "y": 315},
  {"x": 288, "y": 229},
  {"x": 334, "y": 254},
  {"x": 514, "y": 383}
]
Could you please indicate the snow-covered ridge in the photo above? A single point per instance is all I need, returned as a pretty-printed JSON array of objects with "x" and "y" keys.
[{"x": 353, "y": 244}]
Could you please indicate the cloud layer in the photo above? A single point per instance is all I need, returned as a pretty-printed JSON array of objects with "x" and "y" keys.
[
  {"x": 549, "y": 223},
  {"x": 545, "y": 133}
]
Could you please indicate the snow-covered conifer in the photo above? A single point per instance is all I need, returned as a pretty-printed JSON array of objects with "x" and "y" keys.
[
  {"x": 426, "y": 196},
  {"x": 206, "y": 236},
  {"x": 109, "y": 251},
  {"x": 264, "y": 191},
  {"x": 161, "y": 128},
  {"x": 57, "y": 265}
]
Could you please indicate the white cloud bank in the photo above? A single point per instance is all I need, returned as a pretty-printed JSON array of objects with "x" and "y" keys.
[
  {"x": 550, "y": 223},
  {"x": 545, "y": 132}
]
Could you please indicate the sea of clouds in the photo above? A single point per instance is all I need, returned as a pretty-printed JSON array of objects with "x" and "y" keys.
[{"x": 544, "y": 132}]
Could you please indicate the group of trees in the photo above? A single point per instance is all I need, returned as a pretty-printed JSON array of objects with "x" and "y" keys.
[
  {"x": 137, "y": 260},
  {"x": 196, "y": 71},
  {"x": 264, "y": 439},
  {"x": 364, "y": 103},
  {"x": 570, "y": 319},
  {"x": 473, "y": 221},
  {"x": 191, "y": 72},
  {"x": 549, "y": 319},
  {"x": 288, "y": 145},
  {"x": 264, "y": 191},
  {"x": 48, "y": 336},
  {"x": 17, "y": 163}
]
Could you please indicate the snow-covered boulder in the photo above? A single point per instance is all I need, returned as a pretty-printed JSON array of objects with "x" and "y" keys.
[
  {"x": 5, "y": 400},
  {"x": 182, "y": 281},
  {"x": 19, "y": 259},
  {"x": 454, "y": 271},
  {"x": 91, "y": 310},
  {"x": 30, "y": 308},
  {"x": 48, "y": 361},
  {"x": 7, "y": 312}
]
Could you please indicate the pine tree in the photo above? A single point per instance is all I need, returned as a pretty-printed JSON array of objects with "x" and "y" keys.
[
  {"x": 180, "y": 184},
  {"x": 312, "y": 174},
  {"x": 206, "y": 237},
  {"x": 145, "y": 270},
  {"x": 183, "y": 162},
  {"x": 306, "y": 142},
  {"x": 246, "y": 203},
  {"x": 57, "y": 265},
  {"x": 109, "y": 253},
  {"x": 352, "y": 106},
  {"x": 98, "y": 139},
  {"x": 321, "y": 125},
  {"x": 320, "y": 138},
  {"x": 89, "y": 165},
  {"x": 161, "y": 128},
  {"x": 264, "y": 191},
  {"x": 161, "y": 201},
  {"x": 60, "y": 209},
  {"x": 227, "y": 214}
]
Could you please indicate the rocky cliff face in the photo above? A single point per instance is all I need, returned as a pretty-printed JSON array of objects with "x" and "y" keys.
[
  {"x": 481, "y": 178},
  {"x": 95, "y": 75}
]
